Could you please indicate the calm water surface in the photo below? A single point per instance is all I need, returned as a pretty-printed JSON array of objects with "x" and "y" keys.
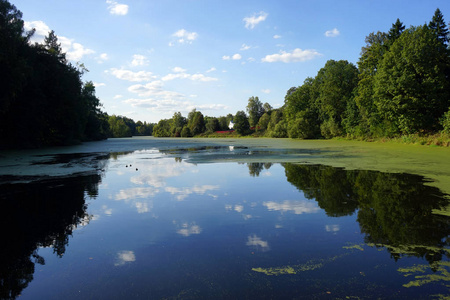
[{"x": 152, "y": 224}]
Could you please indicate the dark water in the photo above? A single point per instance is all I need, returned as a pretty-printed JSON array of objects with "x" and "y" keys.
[{"x": 159, "y": 225}]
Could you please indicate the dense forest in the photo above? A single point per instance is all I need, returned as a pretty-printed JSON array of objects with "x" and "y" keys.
[
  {"x": 401, "y": 86},
  {"x": 43, "y": 100}
]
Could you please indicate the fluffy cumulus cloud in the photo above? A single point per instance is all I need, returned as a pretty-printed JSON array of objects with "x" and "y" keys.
[
  {"x": 41, "y": 30},
  {"x": 184, "y": 37},
  {"x": 116, "y": 8},
  {"x": 236, "y": 56},
  {"x": 139, "y": 60},
  {"x": 130, "y": 75},
  {"x": 297, "y": 55},
  {"x": 276, "y": 36},
  {"x": 251, "y": 22},
  {"x": 332, "y": 33},
  {"x": 74, "y": 51},
  {"x": 266, "y": 91}
]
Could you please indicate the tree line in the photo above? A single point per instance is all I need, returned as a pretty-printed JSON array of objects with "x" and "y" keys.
[
  {"x": 400, "y": 86},
  {"x": 43, "y": 100}
]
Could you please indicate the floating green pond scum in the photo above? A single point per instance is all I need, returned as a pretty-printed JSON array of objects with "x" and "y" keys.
[
  {"x": 310, "y": 265},
  {"x": 440, "y": 274}
]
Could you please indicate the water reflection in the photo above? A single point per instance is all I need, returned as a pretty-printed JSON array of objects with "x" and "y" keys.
[
  {"x": 190, "y": 211},
  {"x": 38, "y": 214},
  {"x": 394, "y": 210}
]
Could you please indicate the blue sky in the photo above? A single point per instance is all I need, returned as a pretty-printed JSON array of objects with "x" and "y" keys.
[{"x": 152, "y": 58}]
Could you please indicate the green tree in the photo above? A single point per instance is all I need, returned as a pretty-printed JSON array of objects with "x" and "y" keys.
[
  {"x": 264, "y": 121},
  {"x": 368, "y": 64},
  {"x": 411, "y": 88},
  {"x": 300, "y": 111},
  {"x": 212, "y": 125},
  {"x": 241, "y": 123},
  {"x": 396, "y": 31},
  {"x": 335, "y": 83},
  {"x": 438, "y": 27},
  {"x": 255, "y": 110},
  {"x": 196, "y": 122}
]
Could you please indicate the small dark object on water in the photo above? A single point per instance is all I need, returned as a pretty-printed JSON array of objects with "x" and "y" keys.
[
  {"x": 126, "y": 166},
  {"x": 136, "y": 169}
]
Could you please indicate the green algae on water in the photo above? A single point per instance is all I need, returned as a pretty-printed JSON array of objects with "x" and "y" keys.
[
  {"x": 440, "y": 274},
  {"x": 294, "y": 269}
]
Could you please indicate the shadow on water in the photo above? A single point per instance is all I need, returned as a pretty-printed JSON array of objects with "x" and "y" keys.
[{"x": 394, "y": 211}]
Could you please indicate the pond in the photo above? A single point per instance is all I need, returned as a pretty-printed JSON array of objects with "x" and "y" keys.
[{"x": 164, "y": 219}]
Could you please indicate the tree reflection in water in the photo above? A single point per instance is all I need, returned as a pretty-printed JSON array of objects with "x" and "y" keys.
[
  {"x": 394, "y": 210},
  {"x": 40, "y": 213}
]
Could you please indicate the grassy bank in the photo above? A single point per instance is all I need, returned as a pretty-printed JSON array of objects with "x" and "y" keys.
[{"x": 434, "y": 140}]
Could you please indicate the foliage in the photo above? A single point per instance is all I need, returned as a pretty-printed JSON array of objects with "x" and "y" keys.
[
  {"x": 42, "y": 94},
  {"x": 445, "y": 122},
  {"x": 255, "y": 110},
  {"x": 411, "y": 89},
  {"x": 241, "y": 123}
]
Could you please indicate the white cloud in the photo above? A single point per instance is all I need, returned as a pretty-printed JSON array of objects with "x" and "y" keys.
[
  {"x": 178, "y": 70},
  {"x": 124, "y": 257},
  {"x": 77, "y": 51},
  {"x": 238, "y": 208},
  {"x": 298, "y": 207},
  {"x": 257, "y": 242},
  {"x": 189, "y": 229},
  {"x": 332, "y": 33},
  {"x": 210, "y": 107},
  {"x": 245, "y": 47},
  {"x": 135, "y": 193},
  {"x": 117, "y": 8},
  {"x": 236, "y": 56},
  {"x": 297, "y": 55},
  {"x": 99, "y": 84},
  {"x": 153, "y": 89},
  {"x": 276, "y": 36},
  {"x": 102, "y": 58},
  {"x": 42, "y": 30},
  {"x": 117, "y": 96},
  {"x": 193, "y": 77},
  {"x": 130, "y": 75},
  {"x": 251, "y": 22},
  {"x": 185, "y": 36},
  {"x": 182, "y": 193},
  {"x": 139, "y": 60},
  {"x": 211, "y": 70},
  {"x": 332, "y": 228},
  {"x": 266, "y": 91},
  {"x": 74, "y": 51}
]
